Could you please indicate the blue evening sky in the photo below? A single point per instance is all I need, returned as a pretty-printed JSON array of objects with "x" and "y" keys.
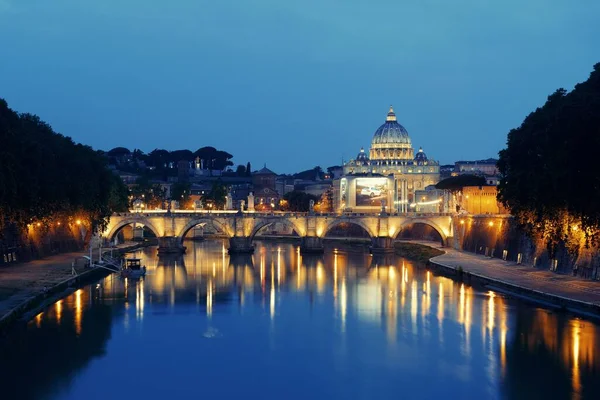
[{"x": 293, "y": 84}]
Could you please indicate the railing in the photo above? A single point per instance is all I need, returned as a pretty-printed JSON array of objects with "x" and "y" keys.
[{"x": 229, "y": 213}]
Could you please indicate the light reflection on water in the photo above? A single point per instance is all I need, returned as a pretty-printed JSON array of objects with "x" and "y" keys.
[{"x": 357, "y": 326}]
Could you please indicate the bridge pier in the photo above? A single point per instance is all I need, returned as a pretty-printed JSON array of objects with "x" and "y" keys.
[
  {"x": 382, "y": 245},
  {"x": 240, "y": 245},
  {"x": 311, "y": 244},
  {"x": 170, "y": 245}
]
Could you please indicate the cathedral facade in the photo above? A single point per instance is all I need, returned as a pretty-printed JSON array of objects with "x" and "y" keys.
[{"x": 388, "y": 175}]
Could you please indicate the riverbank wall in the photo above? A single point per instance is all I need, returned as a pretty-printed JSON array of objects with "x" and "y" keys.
[
  {"x": 33, "y": 305},
  {"x": 539, "y": 296},
  {"x": 498, "y": 236},
  {"x": 39, "y": 241}
]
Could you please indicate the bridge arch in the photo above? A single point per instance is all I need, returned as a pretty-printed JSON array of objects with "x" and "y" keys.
[
  {"x": 428, "y": 222},
  {"x": 290, "y": 222},
  {"x": 223, "y": 227},
  {"x": 337, "y": 221},
  {"x": 131, "y": 221}
]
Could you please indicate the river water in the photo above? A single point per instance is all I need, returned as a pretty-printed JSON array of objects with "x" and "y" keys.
[{"x": 280, "y": 325}]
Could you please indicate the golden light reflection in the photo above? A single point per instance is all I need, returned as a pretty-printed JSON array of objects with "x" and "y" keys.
[
  {"x": 403, "y": 288},
  {"x": 461, "y": 304},
  {"x": 278, "y": 266},
  {"x": 321, "y": 281},
  {"x": 413, "y": 305},
  {"x": 209, "y": 299},
  {"x": 58, "y": 309},
  {"x": 139, "y": 300},
  {"x": 272, "y": 302},
  {"x": 38, "y": 319},
  {"x": 262, "y": 269},
  {"x": 426, "y": 296},
  {"x": 335, "y": 280},
  {"x": 503, "y": 332},
  {"x": 78, "y": 311},
  {"x": 464, "y": 314},
  {"x": 391, "y": 314},
  {"x": 491, "y": 311},
  {"x": 576, "y": 332},
  {"x": 440, "y": 309},
  {"x": 343, "y": 304}
]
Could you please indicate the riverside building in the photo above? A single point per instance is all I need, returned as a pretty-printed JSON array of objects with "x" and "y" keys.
[{"x": 387, "y": 175}]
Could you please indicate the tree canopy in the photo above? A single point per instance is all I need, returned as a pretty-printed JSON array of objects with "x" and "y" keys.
[
  {"x": 45, "y": 175},
  {"x": 550, "y": 172},
  {"x": 217, "y": 194},
  {"x": 458, "y": 182},
  {"x": 298, "y": 201}
]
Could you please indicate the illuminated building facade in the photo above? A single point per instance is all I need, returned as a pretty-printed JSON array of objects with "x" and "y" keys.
[
  {"x": 481, "y": 200},
  {"x": 265, "y": 192},
  {"x": 389, "y": 174}
]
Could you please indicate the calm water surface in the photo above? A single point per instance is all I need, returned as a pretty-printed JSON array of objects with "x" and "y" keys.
[{"x": 279, "y": 325}]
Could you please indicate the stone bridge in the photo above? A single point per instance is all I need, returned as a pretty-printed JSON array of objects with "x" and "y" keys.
[{"x": 172, "y": 227}]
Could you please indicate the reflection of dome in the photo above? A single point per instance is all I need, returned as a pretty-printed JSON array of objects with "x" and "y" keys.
[
  {"x": 421, "y": 157},
  {"x": 391, "y": 132},
  {"x": 362, "y": 157}
]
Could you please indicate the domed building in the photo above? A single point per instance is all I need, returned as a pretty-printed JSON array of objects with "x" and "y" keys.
[{"x": 390, "y": 173}]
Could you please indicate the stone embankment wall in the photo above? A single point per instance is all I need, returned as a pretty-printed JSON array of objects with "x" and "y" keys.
[
  {"x": 499, "y": 237},
  {"x": 39, "y": 241}
]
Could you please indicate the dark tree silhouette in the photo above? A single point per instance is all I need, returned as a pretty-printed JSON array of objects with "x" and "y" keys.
[
  {"x": 45, "y": 175},
  {"x": 550, "y": 166}
]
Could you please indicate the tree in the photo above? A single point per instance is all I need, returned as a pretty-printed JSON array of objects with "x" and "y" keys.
[
  {"x": 217, "y": 195},
  {"x": 310, "y": 174},
  {"x": 455, "y": 183},
  {"x": 214, "y": 159},
  {"x": 298, "y": 201},
  {"x": 152, "y": 195},
  {"x": 549, "y": 167},
  {"x": 46, "y": 177},
  {"x": 181, "y": 192},
  {"x": 248, "y": 169},
  {"x": 181, "y": 155},
  {"x": 240, "y": 170},
  {"x": 325, "y": 203}
]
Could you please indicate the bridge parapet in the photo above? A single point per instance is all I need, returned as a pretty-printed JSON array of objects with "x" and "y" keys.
[{"x": 241, "y": 227}]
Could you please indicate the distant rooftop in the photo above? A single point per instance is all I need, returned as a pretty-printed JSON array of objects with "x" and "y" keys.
[
  {"x": 264, "y": 171},
  {"x": 488, "y": 161}
]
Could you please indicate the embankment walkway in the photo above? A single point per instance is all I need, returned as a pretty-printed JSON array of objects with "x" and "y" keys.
[
  {"x": 563, "y": 290},
  {"x": 20, "y": 283}
]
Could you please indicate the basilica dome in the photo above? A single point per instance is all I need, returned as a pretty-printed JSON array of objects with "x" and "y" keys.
[
  {"x": 391, "y": 142},
  {"x": 362, "y": 157},
  {"x": 391, "y": 132},
  {"x": 421, "y": 157}
]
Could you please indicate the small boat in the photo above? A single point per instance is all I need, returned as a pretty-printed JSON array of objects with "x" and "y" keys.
[{"x": 133, "y": 268}]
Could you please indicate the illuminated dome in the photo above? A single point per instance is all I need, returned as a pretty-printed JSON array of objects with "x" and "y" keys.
[
  {"x": 391, "y": 142},
  {"x": 362, "y": 157},
  {"x": 421, "y": 157},
  {"x": 391, "y": 132}
]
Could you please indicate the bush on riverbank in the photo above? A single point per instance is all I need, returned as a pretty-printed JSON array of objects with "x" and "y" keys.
[{"x": 416, "y": 252}]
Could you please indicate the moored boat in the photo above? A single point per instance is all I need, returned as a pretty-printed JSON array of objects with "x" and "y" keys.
[{"x": 133, "y": 268}]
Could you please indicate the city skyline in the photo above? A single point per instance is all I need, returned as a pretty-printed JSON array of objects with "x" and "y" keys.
[{"x": 291, "y": 85}]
